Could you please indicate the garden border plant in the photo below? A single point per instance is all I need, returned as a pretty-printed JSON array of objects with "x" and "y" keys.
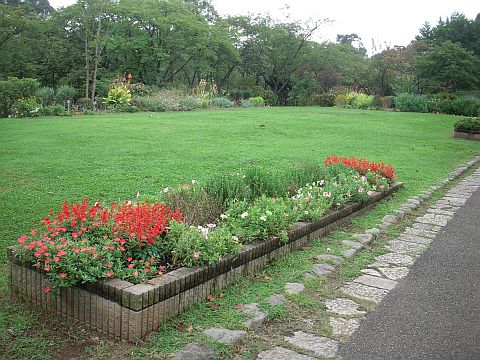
[
  {"x": 468, "y": 128},
  {"x": 128, "y": 311}
]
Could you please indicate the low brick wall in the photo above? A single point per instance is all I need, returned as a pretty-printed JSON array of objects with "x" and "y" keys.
[
  {"x": 126, "y": 311},
  {"x": 467, "y": 134}
]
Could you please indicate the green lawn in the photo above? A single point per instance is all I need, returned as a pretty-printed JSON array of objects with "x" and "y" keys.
[{"x": 111, "y": 157}]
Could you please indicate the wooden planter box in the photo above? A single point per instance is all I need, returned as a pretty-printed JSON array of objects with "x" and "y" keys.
[
  {"x": 466, "y": 134},
  {"x": 126, "y": 311}
]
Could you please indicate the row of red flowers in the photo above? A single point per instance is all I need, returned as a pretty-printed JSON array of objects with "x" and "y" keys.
[{"x": 362, "y": 165}]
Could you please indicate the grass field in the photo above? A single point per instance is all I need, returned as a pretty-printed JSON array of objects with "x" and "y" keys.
[{"x": 111, "y": 157}]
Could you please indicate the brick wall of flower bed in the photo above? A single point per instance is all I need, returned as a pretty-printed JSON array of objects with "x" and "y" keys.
[
  {"x": 126, "y": 311},
  {"x": 467, "y": 134}
]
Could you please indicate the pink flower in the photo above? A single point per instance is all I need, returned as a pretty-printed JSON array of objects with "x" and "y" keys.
[
  {"x": 129, "y": 259},
  {"x": 76, "y": 250},
  {"x": 131, "y": 266},
  {"x": 47, "y": 289},
  {"x": 135, "y": 274},
  {"x": 74, "y": 235},
  {"x": 196, "y": 255},
  {"x": 56, "y": 259},
  {"x": 47, "y": 268},
  {"x": 186, "y": 186},
  {"x": 361, "y": 190},
  {"x": 62, "y": 275},
  {"x": 109, "y": 274},
  {"x": 382, "y": 187},
  {"x": 34, "y": 232},
  {"x": 22, "y": 239}
]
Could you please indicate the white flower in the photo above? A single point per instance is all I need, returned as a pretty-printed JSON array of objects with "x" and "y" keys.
[
  {"x": 327, "y": 194},
  {"x": 223, "y": 216},
  {"x": 235, "y": 238},
  {"x": 244, "y": 215},
  {"x": 212, "y": 226},
  {"x": 364, "y": 179},
  {"x": 268, "y": 212},
  {"x": 165, "y": 190},
  {"x": 243, "y": 177},
  {"x": 361, "y": 190},
  {"x": 194, "y": 182},
  {"x": 263, "y": 218}
]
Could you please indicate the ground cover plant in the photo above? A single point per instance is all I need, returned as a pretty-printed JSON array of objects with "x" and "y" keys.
[
  {"x": 45, "y": 161},
  {"x": 467, "y": 124}
]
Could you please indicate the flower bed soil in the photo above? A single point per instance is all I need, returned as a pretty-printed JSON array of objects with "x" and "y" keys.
[
  {"x": 126, "y": 311},
  {"x": 467, "y": 134}
]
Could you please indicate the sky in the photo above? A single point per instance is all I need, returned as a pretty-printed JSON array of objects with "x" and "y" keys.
[{"x": 386, "y": 22}]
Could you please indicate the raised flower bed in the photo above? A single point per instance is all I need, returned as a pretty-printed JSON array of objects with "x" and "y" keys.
[
  {"x": 468, "y": 128},
  {"x": 127, "y": 310}
]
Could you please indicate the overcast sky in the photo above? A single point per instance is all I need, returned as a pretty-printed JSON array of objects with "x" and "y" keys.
[{"x": 390, "y": 22}]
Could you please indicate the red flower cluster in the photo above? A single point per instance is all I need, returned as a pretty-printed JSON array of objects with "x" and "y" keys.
[
  {"x": 96, "y": 237},
  {"x": 362, "y": 165}
]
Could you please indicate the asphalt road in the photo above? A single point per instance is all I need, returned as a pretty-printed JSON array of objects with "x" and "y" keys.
[{"x": 433, "y": 313}]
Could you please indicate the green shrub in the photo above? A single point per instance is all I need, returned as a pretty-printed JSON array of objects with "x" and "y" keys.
[
  {"x": 13, "y": 89},
  {"x": 52, "y": 110},
  {"x": 46, "y": 95},
  {"x": 118, "y": 96},
  {"x": 27, "y": 107},
  {"x": 268, "y": 95},
  {"x": 168, "y": 100},
  {"x": 466, "y": 106},
  {"x": 221, "y": 102},
  {"x": 85, "y": 104},
  {"x": 438, "y": 103},
  {"x": 411, "y": 103},
  {"x": 387, "y": 102},
  {"x": 65, "y": 93},
  {"x": 247, "y": 103},
  {"x": 266, "y": 216},
  {"x": 361, "y": 101},
  {"x": 239, "y": 94},
  {"x": 194, "y": 246},
  {"x": 325, "y": 99},
  {"x": 341, "y": 100},
  {"x": 467, "y": 124},
  {"x": 257, "y": 101}
]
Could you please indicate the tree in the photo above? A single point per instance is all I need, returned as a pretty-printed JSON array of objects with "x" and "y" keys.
[{"x": 448, "y": 67}]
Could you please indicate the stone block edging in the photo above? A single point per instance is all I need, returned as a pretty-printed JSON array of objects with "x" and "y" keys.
[
  {"x": 127, "y": 311},
  {"x": 466, "y": 134}
]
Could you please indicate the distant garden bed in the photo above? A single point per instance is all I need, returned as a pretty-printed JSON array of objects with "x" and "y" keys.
[{"x": 467, "y": 129}]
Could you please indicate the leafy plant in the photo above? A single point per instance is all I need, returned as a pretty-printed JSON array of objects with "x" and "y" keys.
[
  {"x": 13, "y": 89},
  {"x": 46, "y": 95},
  {"x": 201, "y": 245},
  {"x": 221, "y": 102},
  {"x": 411, "y": 103},
  {"x": 65, "y": 93},
  {"x": 27, "y": 108},
  {"x": 52, "y": 110},
  {"x": 466, "y": 106},
  {"x": 467, "y": 124},
  {"x": 258, "y": 101},
  {"x": 118, "y": 96}
]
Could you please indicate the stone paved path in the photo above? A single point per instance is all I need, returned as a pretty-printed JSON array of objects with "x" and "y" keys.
[
  {"x": 386, "y": 276},
  {"x": 434, "y": 314}
]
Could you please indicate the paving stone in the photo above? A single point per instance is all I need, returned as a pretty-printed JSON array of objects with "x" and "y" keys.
[
  {"x": 415, "y": 239},
  {"x": 343, "y": 307},
  {"x": 427, "y": 227},
  {"x": 337, "y": 260},
  {"x": 343, "y": 327},
  {"x": 399, "y": 213},
  {"x": 225, "y": 336},
  {"x": 322, "y": 269},
  {"x": 294, "y": 288},
  {"x": 444, "y": 207},
  {"x": 409, "y": 206},
  {"x": 390, "y": 218},
  {"x": 373, "y": 231},
  {"x": 395, "y": 259},
  {"x": 365, "y": 239},
  {"x": 384, "y": 225},
  {"x": 371, "y": 272},
  {"x": 353, "y": 244},
  {"x": 419, "y": 232},
  {"x": 195, "y": 351},
  {"x": 277, "y": 299},
  {"x": 258, "y": 316},
  {"x": 395, "y": 273},
  {"x": 279, "y": 353},
  {"x": 399, "y": 246},
  {"x": 349, "y": 253},
  {"x": 440, "y": 212},
  {"x": 406, "y": 210},
  {"x": 376, "y": 282},
  {"x": 319, "y": 345},
  {"x": 434, "y": 219},
  {"x": 364, "y": 292}
]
